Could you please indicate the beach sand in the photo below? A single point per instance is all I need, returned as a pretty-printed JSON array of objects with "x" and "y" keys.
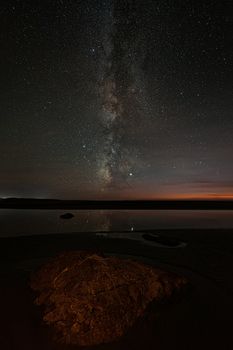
[{"x": 201, "y": 319}]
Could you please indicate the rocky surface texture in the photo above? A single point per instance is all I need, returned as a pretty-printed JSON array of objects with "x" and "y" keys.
[{"x": 91, "y": 299}]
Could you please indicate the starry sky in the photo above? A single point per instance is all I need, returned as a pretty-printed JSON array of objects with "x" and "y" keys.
[{"x": 116, "y": 99}]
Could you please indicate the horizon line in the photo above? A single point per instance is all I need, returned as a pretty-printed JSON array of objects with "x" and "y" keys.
[{"x": 127, "y": 204}]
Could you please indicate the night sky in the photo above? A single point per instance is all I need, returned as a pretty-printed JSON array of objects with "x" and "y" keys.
[{"x": 116, "y": 99}]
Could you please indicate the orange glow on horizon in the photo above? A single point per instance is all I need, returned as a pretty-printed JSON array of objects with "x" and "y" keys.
[
  {"x": 164, "y": 196},
  {"x": 190, "y": 196}
]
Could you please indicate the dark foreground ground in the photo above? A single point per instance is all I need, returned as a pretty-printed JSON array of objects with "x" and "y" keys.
[{"x": 201, "y": 319}]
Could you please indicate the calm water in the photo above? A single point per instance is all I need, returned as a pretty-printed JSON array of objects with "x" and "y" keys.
[{"x": 32, "y": 222}]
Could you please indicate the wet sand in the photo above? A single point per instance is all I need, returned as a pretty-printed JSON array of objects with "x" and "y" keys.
[{"x": 201, "y": 319}]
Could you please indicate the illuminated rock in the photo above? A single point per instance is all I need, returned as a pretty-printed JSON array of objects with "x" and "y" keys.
[{"x": 91, "y": 299}]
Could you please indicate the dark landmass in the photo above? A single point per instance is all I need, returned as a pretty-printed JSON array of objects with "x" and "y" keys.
[{"x": 31, "y": 203}]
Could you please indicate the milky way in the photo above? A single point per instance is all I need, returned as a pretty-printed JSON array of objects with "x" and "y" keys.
[{"x": 121, "y": 99}]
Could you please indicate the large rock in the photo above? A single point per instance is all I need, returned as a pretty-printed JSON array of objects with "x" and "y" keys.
[{"x": 91, "y": 299}]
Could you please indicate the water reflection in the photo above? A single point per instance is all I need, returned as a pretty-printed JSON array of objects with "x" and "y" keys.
[{"x": 30, "y": 222}]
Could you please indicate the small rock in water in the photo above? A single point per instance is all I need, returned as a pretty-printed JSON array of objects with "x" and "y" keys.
[
  {"x": 67, "y": 216},
  {"x": 163, "y": 240}
]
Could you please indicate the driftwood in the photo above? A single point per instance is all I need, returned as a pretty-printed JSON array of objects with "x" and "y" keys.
[{"x": 91, "y": 299}]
